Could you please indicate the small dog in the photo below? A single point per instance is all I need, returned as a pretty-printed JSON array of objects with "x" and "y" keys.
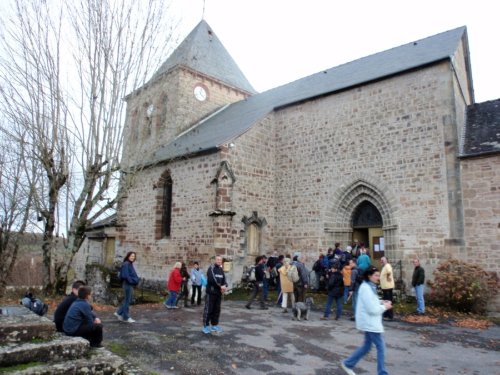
[{"x": 302, "y": 309}]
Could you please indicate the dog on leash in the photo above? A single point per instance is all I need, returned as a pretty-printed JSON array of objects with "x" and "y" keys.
[{"x": 302, "y": 309}]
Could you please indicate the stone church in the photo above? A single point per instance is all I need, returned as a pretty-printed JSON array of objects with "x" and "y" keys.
[{"x": 390, "y": 149}]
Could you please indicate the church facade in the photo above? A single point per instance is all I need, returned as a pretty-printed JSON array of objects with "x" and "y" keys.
[{"x": 390, "y": 149}]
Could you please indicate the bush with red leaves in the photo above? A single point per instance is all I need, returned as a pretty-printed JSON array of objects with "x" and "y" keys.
[{"x": 463, "y": 286}]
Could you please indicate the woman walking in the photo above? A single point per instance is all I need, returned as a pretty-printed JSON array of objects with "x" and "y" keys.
[
  {"x": 173, "y": 286},
  {"x": 129, "y": 279},
  {"x": 369, "y": 310}
]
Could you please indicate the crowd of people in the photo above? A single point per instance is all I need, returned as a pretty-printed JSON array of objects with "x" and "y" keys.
[{"x": 343, "y": 274}]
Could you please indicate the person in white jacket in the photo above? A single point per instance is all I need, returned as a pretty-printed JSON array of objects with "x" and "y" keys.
[{"x": 369, "y": 310}]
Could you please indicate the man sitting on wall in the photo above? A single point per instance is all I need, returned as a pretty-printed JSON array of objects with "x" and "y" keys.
[
  {"x": 80, "y": 320},
  {"x": 65, "y": 304}
]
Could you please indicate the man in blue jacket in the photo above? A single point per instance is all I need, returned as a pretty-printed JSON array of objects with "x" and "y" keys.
[
  {"x": 80, "y": 320},
  {"x": 66, "y": 303}
]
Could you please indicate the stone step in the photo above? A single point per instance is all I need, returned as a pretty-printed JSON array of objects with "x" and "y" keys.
[
  {"x": 18, "y": 324},
  {"x": 58, "y": 348},
  {"x": 97, "y": 361}
]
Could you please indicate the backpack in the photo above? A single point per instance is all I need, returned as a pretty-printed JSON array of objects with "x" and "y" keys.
[
  {"x": 248, "y": 274},
  {"x": 293, "y": 274},
  {"x": 251, "y": 274},
  {"x": 34, "y": 304},
  {"x": 204, "y": 280}
]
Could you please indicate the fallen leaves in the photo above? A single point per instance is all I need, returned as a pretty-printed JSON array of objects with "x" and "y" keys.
[
  {"x": 473, "y": 323},
  {"x": 424, "y": 319}
]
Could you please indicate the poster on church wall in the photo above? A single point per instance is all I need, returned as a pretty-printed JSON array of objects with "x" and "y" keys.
[{"x": 382, "y": 244}]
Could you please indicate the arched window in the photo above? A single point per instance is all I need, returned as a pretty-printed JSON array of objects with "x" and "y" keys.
[{"x": 166, "y": 220}]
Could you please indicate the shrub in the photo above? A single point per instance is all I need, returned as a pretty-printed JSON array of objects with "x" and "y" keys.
[{"x": 462, "y": 286}]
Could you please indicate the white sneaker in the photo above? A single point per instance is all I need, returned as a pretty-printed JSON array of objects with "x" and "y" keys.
[
  {"x": 129, "y": 320},
  {"x": 120, "y": 318},
  {"x": 346, "y": 369}
]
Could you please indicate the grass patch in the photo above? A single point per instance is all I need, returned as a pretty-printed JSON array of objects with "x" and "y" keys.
[
  {"x": 118, "y": 348},
  {"x": 15, "y": 368}
]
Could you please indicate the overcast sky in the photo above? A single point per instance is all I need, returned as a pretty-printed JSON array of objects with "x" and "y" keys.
[{"x": 278, "y": 41}]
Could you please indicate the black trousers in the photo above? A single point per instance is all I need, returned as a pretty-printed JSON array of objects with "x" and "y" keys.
[
  {"x": 91, "y": 333},
  {"x": 184, "y": 294},
  {"x": 387, "y": 296},
  {"x": 196, "y": 289},
  {"x": 211, "y": 312},
  {"x": 300, "y": 292},
  {"x": 255, "y": 291}
]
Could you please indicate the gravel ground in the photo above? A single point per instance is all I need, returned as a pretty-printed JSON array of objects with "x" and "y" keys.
[{"x": 269, "y": 342}]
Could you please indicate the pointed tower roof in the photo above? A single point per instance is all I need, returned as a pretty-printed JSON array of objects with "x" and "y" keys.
[
  {"x": 235, "y": 119},
  {"x": 203, "y": 52}
]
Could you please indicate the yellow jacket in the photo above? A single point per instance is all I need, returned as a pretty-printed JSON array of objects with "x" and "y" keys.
[{"x": 386, "y": 277}]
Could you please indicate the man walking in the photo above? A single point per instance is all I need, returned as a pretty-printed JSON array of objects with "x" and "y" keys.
[
  {"x": 417, "y": 281},
  {"x": 259, "y": 283},
  {"x": 216, "y": 286},
  {"x": 300, "y": 287}
]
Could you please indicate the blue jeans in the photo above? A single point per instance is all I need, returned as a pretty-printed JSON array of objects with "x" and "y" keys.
[
  {"x": 354, "y": 301},
  {"x": 370, "y": 338},
  {"x": 123, "y": 310},
  {"x": 265, "y": 288},
  {"x": 329, "y": 303},
  {"x": 419, "y": 293},
  {"x": 172, "y": 298},
  {"x": 346, "y": 293}
]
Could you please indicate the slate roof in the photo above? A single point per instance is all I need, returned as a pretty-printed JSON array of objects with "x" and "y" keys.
[
  {"x": 203, "y": 52},
  {"x": 238, "y": 117},
  {"x": 482, "y": 129}
]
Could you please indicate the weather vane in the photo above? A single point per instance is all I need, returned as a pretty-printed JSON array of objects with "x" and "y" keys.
[{"x": 203, "y": 14}]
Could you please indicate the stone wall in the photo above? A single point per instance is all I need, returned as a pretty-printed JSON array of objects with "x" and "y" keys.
[
  {"x": 481, "y": 192},
  {"x": 389, "y": 135}
]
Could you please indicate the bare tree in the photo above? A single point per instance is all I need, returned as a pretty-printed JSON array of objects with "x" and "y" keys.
[
  {"x": 73, "y": 63},
  {"x": 16, "y": 198}
]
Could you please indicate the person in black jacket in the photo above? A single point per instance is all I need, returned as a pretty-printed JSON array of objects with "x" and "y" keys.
[
  {"x": 258, "y": 284},
  {"x": 65, "y": 304},
  {"x": 418, "y": 282},
  {"x": 183, "y": 295},
  {"x": 216, "y": 286},
  {"x": 129, "y": 280},
  {"x": 335, "y": 291}
]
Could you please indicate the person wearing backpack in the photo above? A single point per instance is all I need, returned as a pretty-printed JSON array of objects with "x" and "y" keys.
[
  {"x": 129, "y": 280},
  {"x": 335, "y": 292},
  {"x": 302, "y": 284},
  {"x": 258, "y": 284},
  {"x": 286, "y": 285}
]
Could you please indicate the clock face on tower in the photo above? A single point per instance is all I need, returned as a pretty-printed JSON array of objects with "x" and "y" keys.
[{"x": 200, "y": 93}]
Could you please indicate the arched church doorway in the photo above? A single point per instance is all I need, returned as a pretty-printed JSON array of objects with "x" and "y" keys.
[{"x": 367, "y": 226}]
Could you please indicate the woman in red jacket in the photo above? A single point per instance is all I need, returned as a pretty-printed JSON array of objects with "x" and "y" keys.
[{"x": 174, "y": 286}]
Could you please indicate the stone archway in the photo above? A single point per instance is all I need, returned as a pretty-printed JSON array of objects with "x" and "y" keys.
[{"x": 350, "y": 196}]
